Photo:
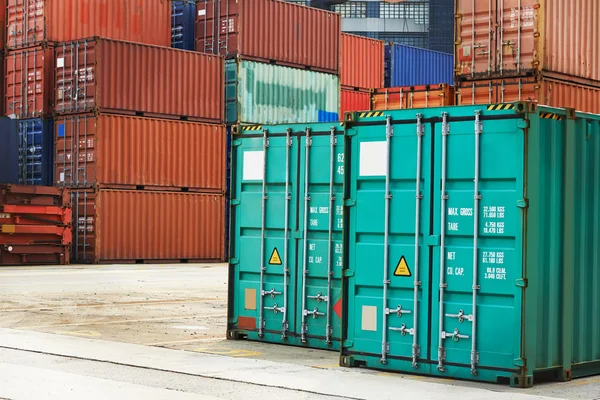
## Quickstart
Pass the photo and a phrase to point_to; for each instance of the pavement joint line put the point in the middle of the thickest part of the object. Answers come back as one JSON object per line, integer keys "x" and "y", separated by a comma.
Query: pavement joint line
{"x": 207, "y": 376}
{"x": 123, "y": 321}
{"x": 127, "y": 303}
{"x": 183, "y": 341}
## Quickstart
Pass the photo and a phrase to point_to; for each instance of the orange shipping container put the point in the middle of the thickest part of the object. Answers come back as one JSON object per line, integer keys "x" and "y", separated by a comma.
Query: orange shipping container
{"x": 353, "y": 100}
{"x": 35, "y": 22}
{"x": 108, "y": 75}
{"x": 545, "y": 91}
{"x": 2, "y": 23}
{"x": 513, "y": 37}
{"x": 128, "y": 152}
{"x": 29, "y": 82}
{"x": 145, "y": 226}
{"x": 413, "y": 97}
{"x": 362, "y": 62}
{"x": 270, "y": 31}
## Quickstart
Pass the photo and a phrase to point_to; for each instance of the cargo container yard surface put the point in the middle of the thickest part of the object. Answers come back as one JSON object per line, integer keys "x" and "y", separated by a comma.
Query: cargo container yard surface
{"x": 471, "y": 243}
{"x": 286, "y": 235}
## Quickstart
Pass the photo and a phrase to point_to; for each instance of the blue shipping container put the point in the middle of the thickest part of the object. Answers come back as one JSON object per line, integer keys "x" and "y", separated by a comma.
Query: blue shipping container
{"x": 183, "y": 16}
{"x": 27, "y": 158}
{"x": 411, "y": 66}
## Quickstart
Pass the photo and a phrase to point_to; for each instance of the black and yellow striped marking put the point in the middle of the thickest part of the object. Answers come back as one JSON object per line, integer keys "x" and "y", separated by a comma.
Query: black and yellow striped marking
{"x": 371, "y": 114}
{"x": 547, "y": 115}
{"x": 252, "y": 128}
{"x": 499, "y": 107}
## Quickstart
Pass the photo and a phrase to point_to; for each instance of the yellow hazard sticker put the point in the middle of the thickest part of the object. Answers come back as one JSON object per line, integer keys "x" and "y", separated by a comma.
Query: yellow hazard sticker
{"x": 402, "y": 268}
{"x": 275, "y": 259}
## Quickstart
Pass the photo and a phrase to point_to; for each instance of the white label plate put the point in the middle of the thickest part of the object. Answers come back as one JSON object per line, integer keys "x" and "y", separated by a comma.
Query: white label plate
{"x": 253, "y": 165}
{"x": 373, "y": 158}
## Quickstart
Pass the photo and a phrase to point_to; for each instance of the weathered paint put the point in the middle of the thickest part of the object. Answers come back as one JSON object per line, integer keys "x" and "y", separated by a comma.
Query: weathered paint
{"x": 287, "y": 233}
{"x": 523, "y": 276}
{"x": 258, "y": 93}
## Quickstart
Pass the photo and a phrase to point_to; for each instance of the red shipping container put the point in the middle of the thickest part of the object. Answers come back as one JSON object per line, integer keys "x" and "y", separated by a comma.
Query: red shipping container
{"x": 354, "y": 100}
{"x": 362, "y": 62}
{"x": 36, "y": 22}
{"x": 29, "y": 82}
{"x": 119, "y": 151}
{"x": 413, "y": 97}
{"x": 543, "y": 90}
{"x": 148, "y": 226}
{"x": 270, "y": 31}
{"x": 3, "y": 23}
{"x": 519, "y": 37}
{"x": 108, "y": 75}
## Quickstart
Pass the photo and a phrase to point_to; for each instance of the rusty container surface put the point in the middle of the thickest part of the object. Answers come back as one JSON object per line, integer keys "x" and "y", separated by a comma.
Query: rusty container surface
{"x": 413, "y": 97}
{"x": 362, "y": 62}
{"x": 270, "y": 31}
{"x": 120, "y": 151}
{"x": 354, "y": 100}
{"x": 29, "y": 82}
{"x": 544, "y": 91}
{"x": 131, "y": 78}
{"x": 497, "y": 38}
{"x": 147, "y": 226}
{"x": 35, "y": 22}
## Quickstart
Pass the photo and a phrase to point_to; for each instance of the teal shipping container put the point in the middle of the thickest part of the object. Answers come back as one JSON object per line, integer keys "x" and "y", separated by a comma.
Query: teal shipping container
{"x": 472, "y": 243}
{"x": 286, "y": 235}
{"x": 267, "y": 94}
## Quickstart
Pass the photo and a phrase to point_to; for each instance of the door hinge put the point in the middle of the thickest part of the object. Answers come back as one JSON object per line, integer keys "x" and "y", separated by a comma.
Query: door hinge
{"x": 236, "y": 142}
{"x": 298, "y": 235}
{"x": 349, "y": 203}
{"x": 348, "y": 343}
{"x": 521, "y": 282}
{"x": 523, "y": 124}
{"x": 350, "y": 132}
{"x": 432, "y": 240}
{"x": 348, "y": 273}
{"x": 235, "y": 202}
{"x": 523, "y": 203}
{"x": 520, "y": 362}
{"x": 234, "y": 261}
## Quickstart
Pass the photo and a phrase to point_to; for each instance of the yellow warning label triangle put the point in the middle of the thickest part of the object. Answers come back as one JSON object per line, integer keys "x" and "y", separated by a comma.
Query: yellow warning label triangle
{"x": 402, "y": 268}
{"x": 275, "y": 259}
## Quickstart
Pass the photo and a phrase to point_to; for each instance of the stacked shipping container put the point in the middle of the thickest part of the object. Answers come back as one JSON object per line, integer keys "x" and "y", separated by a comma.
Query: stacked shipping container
{"x": 534, "y": 50}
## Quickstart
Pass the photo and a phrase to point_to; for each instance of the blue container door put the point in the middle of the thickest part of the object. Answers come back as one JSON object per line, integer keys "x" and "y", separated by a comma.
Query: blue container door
{"x": 183, "y": 14}
{"x": 35, "y": 152}
{"x": 9, "y": 151}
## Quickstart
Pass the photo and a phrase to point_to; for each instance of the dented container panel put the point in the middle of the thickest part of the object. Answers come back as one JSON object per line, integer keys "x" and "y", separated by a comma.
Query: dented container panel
{"x": 34, "y": 22}
{"x": 100, "y": 74}
{"x": 270, "y": 31}
{"x": 486, "y": 226}
{"x": 147, "y": 226}
{"x": 130, "y": 152}
{"x": 299, "y": 229}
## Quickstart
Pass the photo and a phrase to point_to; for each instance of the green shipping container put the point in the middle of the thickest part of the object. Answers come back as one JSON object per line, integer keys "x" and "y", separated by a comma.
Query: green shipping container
{"x": 472, "y": 243}
{"x": 286, "y": 247}
{"x": 258, "y": 93}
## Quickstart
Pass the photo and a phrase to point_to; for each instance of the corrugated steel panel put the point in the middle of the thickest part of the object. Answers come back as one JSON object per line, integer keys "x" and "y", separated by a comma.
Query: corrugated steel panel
{"x": 544, "y": 91}
{"x": 136, "y": 78}
{"x": 411, "y": 66}
{"x": 353, "y": 100}
{"x": 499, "y": 39}
{"x": 501, "y": 232}
{"x": 119, "y": 151}
{"x": 260, "y": 93}
{"x": 26, "y": 154}
{"x": 29, "y": 82}
{"x": 138, "y": 226}
{"x": 413, "y": 97}
{"x": 183, "y": 20}
{"x": 270, "y": 31}
{"x": 303, "y": 312}
{"x": 362, "y": 62}
{"x": 35, "y": 22}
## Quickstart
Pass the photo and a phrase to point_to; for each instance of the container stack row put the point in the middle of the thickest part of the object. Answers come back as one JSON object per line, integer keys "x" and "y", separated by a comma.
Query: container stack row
{"x": 546, "y": 52}
{"x": 96, "y": 109}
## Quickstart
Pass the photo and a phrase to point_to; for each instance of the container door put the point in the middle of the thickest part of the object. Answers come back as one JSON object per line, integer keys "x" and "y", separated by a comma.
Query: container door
{"x": 518, "y": 22}
{"x": 318, "y": 317}
{"x": 26, "y": 23}
{"x": 263, "y": 254}
{"x": 75, "y": 76}
{"x": 477, "y": 266}
{"x": 35, "y": 152}
{"x": 389, "y": 232}
{"x": 475, "y": 37}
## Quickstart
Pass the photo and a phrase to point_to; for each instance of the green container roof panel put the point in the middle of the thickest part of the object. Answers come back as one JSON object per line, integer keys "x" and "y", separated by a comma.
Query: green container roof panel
{"x": 474, "y": 249}
{"x": 300, "y": 286}
{"x": 273, "y": 94}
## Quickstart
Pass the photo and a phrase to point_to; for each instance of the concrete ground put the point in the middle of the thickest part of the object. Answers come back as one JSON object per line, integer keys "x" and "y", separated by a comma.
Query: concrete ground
{"x": 118, "y": 331}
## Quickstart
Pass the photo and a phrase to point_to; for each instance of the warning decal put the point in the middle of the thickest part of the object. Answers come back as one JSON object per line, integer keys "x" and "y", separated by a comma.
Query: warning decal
{"x": 275, "y": 259}
{"x": 402, "y": 268}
